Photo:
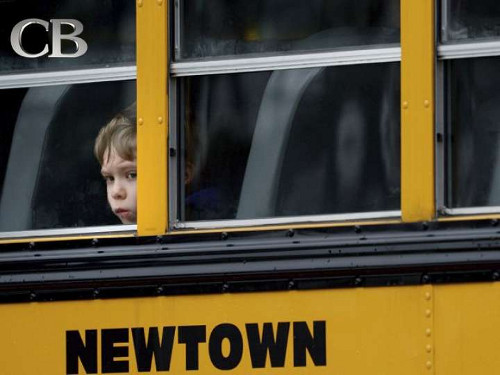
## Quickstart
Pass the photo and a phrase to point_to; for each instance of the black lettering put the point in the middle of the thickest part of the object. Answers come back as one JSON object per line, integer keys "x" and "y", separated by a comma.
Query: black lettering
{"x": 145, "y": 351}
{"x": 260, "y": 346}
{"x": 233, "y": 334}
{"x": 315, "y": 344}
{"x": 192, "y": 336}
{"x": 86, "y": 352}
{"x": 110, "y": 337}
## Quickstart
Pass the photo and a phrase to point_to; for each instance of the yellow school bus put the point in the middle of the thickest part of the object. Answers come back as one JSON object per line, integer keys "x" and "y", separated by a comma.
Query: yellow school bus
{"x": 311, "y": 187}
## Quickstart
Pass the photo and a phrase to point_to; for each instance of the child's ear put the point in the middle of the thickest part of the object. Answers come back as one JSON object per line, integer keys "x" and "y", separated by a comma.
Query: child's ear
{"x": 188, "y": 173}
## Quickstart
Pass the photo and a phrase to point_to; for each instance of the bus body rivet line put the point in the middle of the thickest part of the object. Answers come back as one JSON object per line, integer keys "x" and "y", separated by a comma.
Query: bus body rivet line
{"x": 140, "y": 121}
{"x": 428, "y": 348}
{"x": 160, "y": 2}
{"x": 160, "y": 120}
{"x": 139, "y": 3}
{"x": 427, "y": 103}
{"x": 428, "y": 332}
{"x": 405, "y": 105}
{"x": 428, "y": 365}
{"x": 428, "y": 296}
{"x": 428, "y": 313}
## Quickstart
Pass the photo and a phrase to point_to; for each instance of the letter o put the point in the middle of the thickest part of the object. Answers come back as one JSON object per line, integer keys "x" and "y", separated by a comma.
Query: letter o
{"x": 233, "y": 334}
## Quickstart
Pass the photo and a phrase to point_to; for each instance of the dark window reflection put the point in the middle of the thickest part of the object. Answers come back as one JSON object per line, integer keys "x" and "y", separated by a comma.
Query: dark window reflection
{"x": 49, "y": 177}
{"x": 109, "y": 30}
{"x": 469, "y": 19}
{"x": 474, "y": 118}
{"x": 287, "y": 143}
{"x": 232, "y": 27}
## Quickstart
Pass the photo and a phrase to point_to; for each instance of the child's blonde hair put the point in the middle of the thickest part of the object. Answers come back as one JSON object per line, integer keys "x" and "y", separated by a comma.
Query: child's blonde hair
{"x": 119, "y": 134}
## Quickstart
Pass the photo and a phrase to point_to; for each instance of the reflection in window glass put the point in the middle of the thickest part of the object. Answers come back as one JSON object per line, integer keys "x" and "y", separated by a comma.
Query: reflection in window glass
{"x": 232, "y": 27}
{"x": 49, "y": 177}
{"x": 474, "y": 118}
{"x": 469, "y": 19}
{"x": 294, "y": 142}
{"x": 109, "y": 31}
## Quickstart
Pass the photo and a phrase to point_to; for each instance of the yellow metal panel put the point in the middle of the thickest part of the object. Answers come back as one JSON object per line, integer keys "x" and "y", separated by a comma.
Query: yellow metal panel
{"x": 152, "y": 117}
{"x": 417, "y": 118}
{"x": 368, "y": 331}
{"x": 467, "y": 318}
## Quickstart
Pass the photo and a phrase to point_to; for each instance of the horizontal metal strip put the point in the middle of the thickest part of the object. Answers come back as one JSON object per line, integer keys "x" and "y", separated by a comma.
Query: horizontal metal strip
{"x": 85, "y": 231}
{"x": 14, "y": 80}
{"x": 286, "y": 220}
{"x": 308, "y": 60}
{"x": 470, "y": 210}
{"x": 387, "y": 252}
{"x": 468, "y": 50}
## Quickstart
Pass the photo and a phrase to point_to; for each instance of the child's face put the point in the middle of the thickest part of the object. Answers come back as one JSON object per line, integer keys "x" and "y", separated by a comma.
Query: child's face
{"x": 120, "y": 176}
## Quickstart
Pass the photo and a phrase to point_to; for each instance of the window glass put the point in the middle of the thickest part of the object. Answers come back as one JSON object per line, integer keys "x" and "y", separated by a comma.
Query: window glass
{"x": 108, "y": 31}
{"x": 470, "y": 19}
{"x": 474, "y": 122}
{"x": 234, "y": 27}
{"x": 49, "y": 177}
{"x": 292, "y": 142}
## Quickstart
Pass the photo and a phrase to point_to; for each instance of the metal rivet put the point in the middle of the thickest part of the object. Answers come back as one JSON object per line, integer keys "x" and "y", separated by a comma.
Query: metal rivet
{"x": 428, "y": 313}
{"x": 139, "y": 3}
{"x": 427, "y": 296}
{"x": 428, "y": 348}
{"x": 426, "y": 103}
{"x": 428, "y": 364}
{"x": 428, "y": 332}
{"x": 405, "y": 105}
{"x": 159, "y": 2}
{"x": 140, "y": 121}
{"x": 160, "y": 120}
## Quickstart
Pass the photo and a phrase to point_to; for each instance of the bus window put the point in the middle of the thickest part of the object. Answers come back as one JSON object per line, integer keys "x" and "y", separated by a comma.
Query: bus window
{"x": 470, "y": 19}
{"x": 50, "y": 177}
{"x": 108, "y": 31}
{"x": 289, "y": 143}
{"x": 470, "y": 80}
{"x": 238, "y": 27}
{"x": 475, "y": 132}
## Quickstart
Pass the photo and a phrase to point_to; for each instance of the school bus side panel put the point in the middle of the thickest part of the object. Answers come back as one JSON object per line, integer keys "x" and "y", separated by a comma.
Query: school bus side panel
{"x": 367, "y": 330}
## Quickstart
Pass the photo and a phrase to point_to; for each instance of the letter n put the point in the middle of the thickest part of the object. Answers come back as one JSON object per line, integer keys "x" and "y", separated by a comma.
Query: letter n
{"x": 77, "y": 349}
{"x": 315, "y": 344}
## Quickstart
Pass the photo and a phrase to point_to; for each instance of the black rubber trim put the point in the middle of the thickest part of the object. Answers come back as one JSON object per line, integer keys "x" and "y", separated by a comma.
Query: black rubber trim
{"x": 248, "y": 262}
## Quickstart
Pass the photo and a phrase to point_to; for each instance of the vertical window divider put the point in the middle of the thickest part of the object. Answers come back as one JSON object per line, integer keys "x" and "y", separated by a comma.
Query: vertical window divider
{"x": 152, "y": 117}
{"x": 418, "y": 107}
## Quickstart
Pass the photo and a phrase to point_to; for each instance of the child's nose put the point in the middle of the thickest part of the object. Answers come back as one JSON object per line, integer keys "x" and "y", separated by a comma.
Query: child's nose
{"x": 118, "y": 191}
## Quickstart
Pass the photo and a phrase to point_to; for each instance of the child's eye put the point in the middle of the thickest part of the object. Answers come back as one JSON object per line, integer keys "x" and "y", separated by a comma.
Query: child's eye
{"x": 108, "y": 179}
{"x": 132, "y": 175}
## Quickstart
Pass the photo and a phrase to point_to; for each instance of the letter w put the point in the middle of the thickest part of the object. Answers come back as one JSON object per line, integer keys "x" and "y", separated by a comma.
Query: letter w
{"x": 260, "y": 345}
{"x": 144, "y": 351}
